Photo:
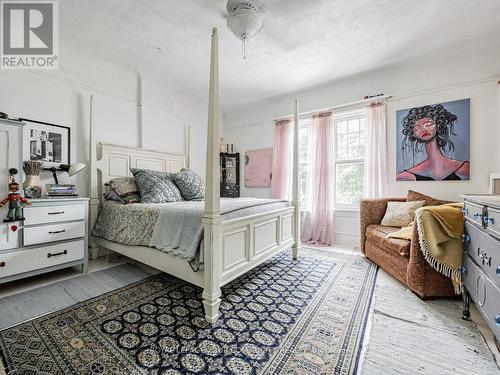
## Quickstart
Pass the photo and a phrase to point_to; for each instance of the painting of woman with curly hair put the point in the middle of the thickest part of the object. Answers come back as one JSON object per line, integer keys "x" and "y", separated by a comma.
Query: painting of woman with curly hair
{"x": 434, "y": 142}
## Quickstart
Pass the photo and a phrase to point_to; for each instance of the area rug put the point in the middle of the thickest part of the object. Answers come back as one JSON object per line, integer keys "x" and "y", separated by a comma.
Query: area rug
{"x": 285, "y": 316}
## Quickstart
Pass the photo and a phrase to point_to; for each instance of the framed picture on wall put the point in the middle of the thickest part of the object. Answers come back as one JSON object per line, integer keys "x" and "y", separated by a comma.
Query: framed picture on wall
{"x": 433, "y": 142}
{"x": 258, "y": 166}
{"x": 45, "y": 142}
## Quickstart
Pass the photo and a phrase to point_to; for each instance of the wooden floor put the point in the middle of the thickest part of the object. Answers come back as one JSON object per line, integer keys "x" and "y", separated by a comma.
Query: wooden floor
{"x": 61, "y": 289}
{"x": 27, "y": 299}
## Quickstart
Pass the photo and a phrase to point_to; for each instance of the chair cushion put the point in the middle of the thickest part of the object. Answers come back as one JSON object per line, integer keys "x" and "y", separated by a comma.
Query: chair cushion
{"x": 378, "y": 235}
{"x": 412, "y": 196}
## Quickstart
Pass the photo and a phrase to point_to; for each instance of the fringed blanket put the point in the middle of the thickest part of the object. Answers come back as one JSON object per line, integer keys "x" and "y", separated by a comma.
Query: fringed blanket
{"x": 440, "y": 230}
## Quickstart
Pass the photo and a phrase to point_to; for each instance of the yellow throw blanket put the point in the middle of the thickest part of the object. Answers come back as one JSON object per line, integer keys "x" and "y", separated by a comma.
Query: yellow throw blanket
{"x": 440, "y": 230}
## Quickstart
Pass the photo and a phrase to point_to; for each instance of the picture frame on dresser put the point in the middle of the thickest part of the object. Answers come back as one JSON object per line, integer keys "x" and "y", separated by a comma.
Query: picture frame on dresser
{"x": 46, "y": 142}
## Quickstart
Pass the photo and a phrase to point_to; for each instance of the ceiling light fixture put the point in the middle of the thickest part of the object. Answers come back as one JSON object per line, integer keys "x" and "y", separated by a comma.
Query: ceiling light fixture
{"x": 245, "y": 18}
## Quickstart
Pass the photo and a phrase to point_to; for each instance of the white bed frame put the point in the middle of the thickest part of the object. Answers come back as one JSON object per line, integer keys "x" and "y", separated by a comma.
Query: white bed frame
{"x": 232, "y": 247}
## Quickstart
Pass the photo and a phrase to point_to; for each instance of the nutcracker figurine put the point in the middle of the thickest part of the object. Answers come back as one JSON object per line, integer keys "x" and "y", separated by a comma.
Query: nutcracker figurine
{"x": 14, "y": 199}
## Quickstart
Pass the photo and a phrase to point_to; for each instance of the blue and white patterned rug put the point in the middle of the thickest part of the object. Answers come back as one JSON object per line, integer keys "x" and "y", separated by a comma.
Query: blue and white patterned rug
{"x": 285, "y": 316}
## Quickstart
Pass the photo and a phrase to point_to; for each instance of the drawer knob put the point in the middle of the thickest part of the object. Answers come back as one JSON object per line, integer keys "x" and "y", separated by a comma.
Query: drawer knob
{"x": 497, "y": 320}
{"x": 498, "y": 271}
{"x": 489, "y": 220}
{"x": 2, "y": 264}
{"x": 465, "y": 238}
{"x": 50, "y": 255}
{"x": 465, "y": 211}
{"x": 462, "y": 269}
{"x": 478, "y": 216}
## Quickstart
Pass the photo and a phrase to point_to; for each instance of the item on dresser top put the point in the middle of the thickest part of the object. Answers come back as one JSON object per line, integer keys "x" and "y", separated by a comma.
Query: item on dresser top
{"x": 70, "y": 169}
{"x": 14, "y": 199}
{"x": 4, "y": 115}
{"x": 400, "y": 214}
{"x": 481, "y": 258}
{"x": 440, "y": 230}
{"x": 156, "y": 186}
{"x": 32, "y": 186}
{"x": 190, "y": 184}
{"x": 57, "y": 190}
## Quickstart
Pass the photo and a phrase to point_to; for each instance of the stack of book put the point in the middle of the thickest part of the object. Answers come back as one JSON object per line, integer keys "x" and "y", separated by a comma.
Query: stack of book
{"x": 61, "y": 191}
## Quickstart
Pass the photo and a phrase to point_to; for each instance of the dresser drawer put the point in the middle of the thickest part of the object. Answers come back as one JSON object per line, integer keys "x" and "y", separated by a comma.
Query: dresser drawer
{"x": 473, "y": 212}
{"x": 484, "y": 293}
{"x": 53, "y": 232}
{"x": 485, "y": 251}
{"x": 16, "y": 262}
{"x": 493, "y": 222}
{"x": 53, "y": 214}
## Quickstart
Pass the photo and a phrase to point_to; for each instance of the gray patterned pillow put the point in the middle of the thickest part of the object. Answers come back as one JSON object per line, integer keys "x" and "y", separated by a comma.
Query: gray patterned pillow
{"x": 155, "y": 186}
{"x": 126, "y": 189}
{"x": 190, "y": 184}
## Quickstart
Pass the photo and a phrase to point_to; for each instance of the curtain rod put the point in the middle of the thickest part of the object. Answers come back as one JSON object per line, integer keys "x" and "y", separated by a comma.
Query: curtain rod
{"x": 358, "y": 102}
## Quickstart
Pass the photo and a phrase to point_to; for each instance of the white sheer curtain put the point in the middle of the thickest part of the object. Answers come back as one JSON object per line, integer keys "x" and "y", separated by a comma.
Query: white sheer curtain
{"x": 375, "y": 170}
{"x": 317, "y": 225}
{"x": 281, "y": 182}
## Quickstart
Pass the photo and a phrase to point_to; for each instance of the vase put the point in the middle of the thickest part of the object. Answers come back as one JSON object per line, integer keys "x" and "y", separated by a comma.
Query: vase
{"x": 32, "y": 187}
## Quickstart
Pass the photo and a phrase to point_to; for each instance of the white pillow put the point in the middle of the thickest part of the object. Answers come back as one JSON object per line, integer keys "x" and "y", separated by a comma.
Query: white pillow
{"x": 400, "y": 214}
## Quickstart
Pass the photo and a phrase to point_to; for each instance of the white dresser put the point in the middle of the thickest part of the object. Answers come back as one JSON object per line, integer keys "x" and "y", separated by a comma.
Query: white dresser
{"x": 53, "y": 236}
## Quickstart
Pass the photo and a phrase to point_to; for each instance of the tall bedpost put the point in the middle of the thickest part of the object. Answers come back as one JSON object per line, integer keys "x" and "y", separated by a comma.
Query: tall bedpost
{"x": 211, "y": 216}
{"x": 93, "y": 185}
{"x": 295, "y": 181}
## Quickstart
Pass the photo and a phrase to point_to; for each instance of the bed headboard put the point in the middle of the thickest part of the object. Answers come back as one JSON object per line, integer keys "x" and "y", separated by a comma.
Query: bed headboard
{"x": 116, "y": 161}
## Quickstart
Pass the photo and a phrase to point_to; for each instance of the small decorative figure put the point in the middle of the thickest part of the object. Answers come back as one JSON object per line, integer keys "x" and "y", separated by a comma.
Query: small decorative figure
{"x": 15, "y": 199}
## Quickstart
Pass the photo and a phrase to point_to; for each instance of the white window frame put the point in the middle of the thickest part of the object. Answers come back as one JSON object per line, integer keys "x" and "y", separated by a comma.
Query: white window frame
{"x": 338, "y": 117}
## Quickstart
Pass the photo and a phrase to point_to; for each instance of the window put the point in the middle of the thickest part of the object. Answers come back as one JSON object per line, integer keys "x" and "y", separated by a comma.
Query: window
{"x": 350, "y": 140}
{"x": 349, "y": 132}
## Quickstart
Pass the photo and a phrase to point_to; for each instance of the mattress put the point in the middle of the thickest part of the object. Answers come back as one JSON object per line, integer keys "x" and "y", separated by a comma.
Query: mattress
{"x": 163, "y": 226}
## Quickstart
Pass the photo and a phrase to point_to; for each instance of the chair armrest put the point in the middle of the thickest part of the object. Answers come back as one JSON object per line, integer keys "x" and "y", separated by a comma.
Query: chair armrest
{"x": 372, "y": 211}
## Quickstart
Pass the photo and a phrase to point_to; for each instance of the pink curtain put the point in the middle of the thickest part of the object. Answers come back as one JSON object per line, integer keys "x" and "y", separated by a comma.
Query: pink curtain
{"x": 317, "y": 226}
{"x": 375, "y": 169}
{"x": 281, "y": 183}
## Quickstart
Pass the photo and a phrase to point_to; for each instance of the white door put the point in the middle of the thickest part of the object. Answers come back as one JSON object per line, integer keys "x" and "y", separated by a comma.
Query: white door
{"x": 10, "y": 157}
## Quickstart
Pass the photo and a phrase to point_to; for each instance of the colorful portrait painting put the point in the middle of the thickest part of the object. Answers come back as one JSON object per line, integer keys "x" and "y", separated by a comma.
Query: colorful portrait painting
{"x": 433, "y": 142}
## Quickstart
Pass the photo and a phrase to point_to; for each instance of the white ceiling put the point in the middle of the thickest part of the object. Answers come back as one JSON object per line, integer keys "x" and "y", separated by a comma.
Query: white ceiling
{"x": 304, "y": 43}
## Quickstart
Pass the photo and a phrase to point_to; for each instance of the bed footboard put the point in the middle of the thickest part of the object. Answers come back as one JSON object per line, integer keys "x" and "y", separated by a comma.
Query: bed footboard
{"x": 247, "y": 242}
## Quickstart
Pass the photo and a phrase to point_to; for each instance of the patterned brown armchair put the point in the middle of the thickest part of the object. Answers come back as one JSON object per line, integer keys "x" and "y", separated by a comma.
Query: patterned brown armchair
{"x": 400, "y": 258}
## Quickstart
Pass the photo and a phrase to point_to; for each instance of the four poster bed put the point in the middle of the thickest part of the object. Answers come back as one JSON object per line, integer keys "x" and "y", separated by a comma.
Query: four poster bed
{"x": 232, "y": 246}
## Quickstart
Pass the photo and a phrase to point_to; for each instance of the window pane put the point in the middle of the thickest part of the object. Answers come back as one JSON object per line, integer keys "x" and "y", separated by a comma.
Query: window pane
{"x": 342, "y": 147}
{"x": 353, "y": 126}
{"x": 302, "y": 182}
{"x": 353, "y": 146}
{"x": 342, "y": 127}
{"x": 349, "y": 183}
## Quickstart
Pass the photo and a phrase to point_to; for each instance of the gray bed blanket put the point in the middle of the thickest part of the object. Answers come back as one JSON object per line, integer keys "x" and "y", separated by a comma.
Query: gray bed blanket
{"x": 179, "y": 229}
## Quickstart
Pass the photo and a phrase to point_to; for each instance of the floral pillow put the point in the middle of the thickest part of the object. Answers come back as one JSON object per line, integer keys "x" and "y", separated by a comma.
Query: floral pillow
{"x": 400, "y": 214}
{"x": 156, "y": 186}
{"x": 190, "y": 184}
{"x": 126, "y": 189}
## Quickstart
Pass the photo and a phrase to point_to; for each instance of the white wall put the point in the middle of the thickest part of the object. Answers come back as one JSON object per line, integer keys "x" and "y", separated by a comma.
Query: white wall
{"x": 63, "y": 97}
{"x": 423, "y": 82}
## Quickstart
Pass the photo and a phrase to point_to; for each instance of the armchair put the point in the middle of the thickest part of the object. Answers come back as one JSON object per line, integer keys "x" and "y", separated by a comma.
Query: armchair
{"x": 402, "y": 259}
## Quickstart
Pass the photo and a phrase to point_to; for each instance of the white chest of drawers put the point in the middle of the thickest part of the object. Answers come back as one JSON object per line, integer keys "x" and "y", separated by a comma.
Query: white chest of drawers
{"x": 53, "y": 236}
